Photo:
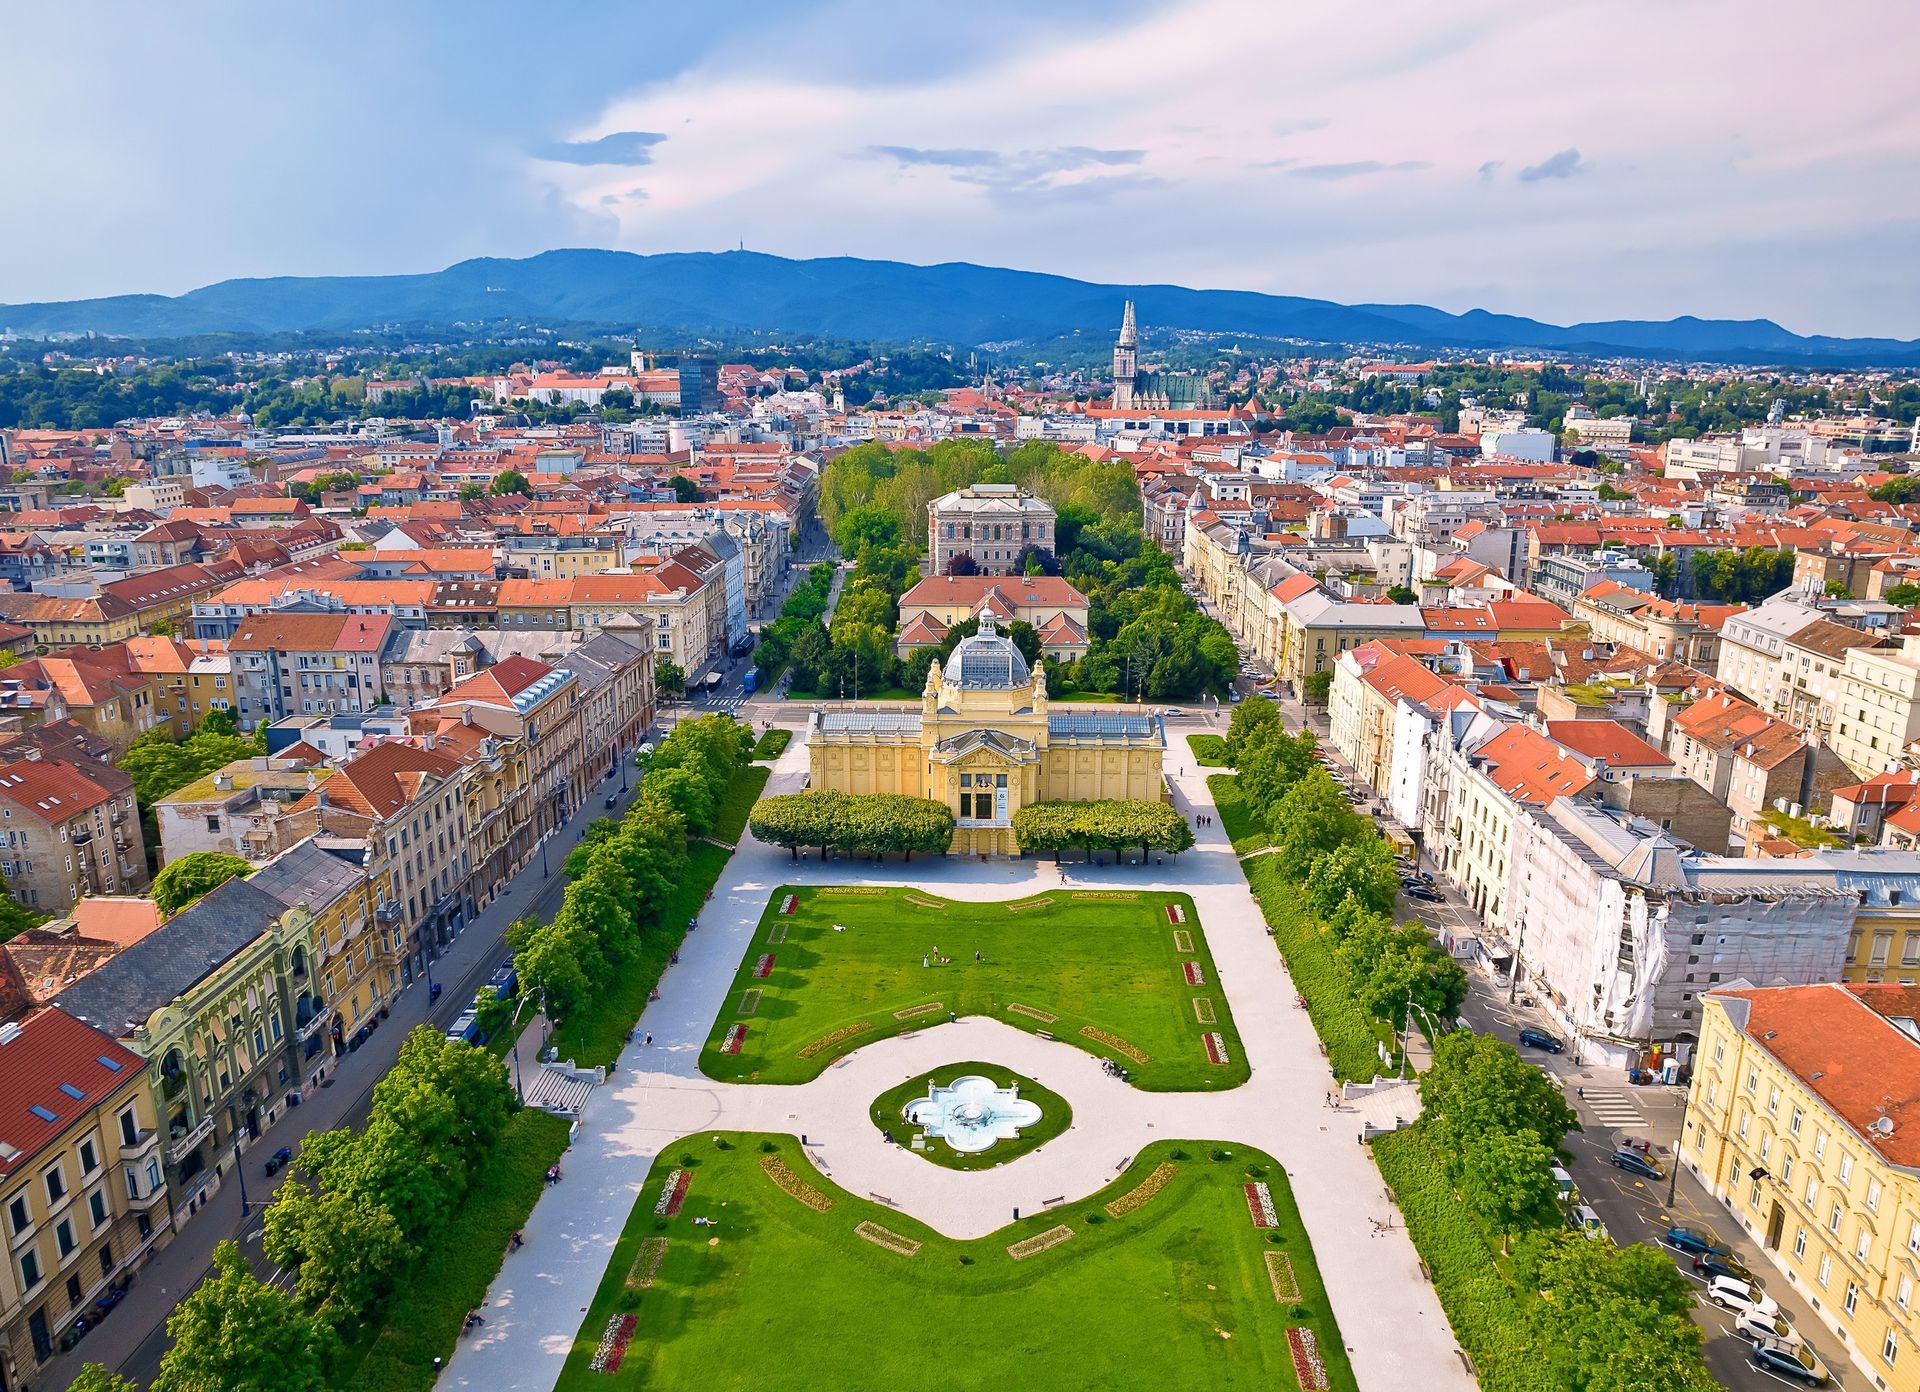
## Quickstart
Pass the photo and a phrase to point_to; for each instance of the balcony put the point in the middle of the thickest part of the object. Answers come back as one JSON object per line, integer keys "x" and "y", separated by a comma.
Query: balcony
{"x": 146, "y": 1141}
{"x": 388, "y": 912}
{"x": 141, "y": 1196}
{"x": 315, "y": 1025}
{"x": 183, "y": 1145}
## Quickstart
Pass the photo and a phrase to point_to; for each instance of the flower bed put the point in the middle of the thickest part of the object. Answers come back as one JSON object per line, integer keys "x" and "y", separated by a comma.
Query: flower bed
{"x": 613, "y": 1344}
{"x": 1286, "y": 1286}
{"x": 923, "y": 901}
{"x": 646, "y": 1263}
{"x": 858, "y": 891}
{"x": 1196, "y": 974}
{"x": 1137, "y": 1196}
{"x": 930, "y": 1008}
{"x": 672, "y": 1195}
{"x": 1176, "y": 914}
{"x": 763, "y": 968}
{"x": 1260, "y": 1205}
{"x": 788, "y": 904}
{"x": 837, "y": 1038}
{"x": 1216, "y": 1048}
{"x": 882, "y": 1237}
{"x": 793, "y": 1186}
{"x": 1052, "y": 1237}
{"x": 1203, "y": 1010}
{"x": 1182, "y": 940}
{"x": 1115, "y": 1042}
{"x": 1032, "y": 1014}
{"x": 749, "y": 1002}
{"x": 736, "y": 1036}
{"x": 1104, "y": 894}
{"x": 1307, "y": 1365}
{"x": 1023, "y": 905}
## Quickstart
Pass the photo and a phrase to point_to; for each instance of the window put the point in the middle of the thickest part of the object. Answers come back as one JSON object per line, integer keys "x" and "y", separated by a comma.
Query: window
{"x": 1826, "y": 1267}
{"x": 1800, "y": 1242}
{"x": 30, "y": 1272}
{"x": 1813, "y": 1190}
{"x": 1851, "y": 1299}
{"x": 20, "y": 1217}
{"x": 1890, "y": 1346}
{"x": 129, "y": 1128}
{"x": 1793, "y": 1124}
{"x": 97, "y": 1208}
{"x": 1753, "y": 1079}
{"x": 1903, "y": 1293}
{"x": 1873, "y": 1196}
{"x": 63, "y": 1237}
{"x": 1786, "y": 1171}
{"x": 89, "y": 1156}
{"x": 1819, "y": 1145}
{"x": 1773, "y": 1094}
{"x": 56, "y": 1185}
{"x": 1846, "y": 1168}
{"x": 1833, "y": 1220}
{"x": 1864, "y": 1243}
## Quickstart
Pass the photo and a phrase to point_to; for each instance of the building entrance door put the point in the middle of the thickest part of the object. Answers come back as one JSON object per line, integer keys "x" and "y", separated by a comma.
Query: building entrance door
{"x": 1776, "y": 1220}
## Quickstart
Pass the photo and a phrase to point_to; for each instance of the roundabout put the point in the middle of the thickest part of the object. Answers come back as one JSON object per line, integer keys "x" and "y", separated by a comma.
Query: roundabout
{"x": 967, "y": 1116}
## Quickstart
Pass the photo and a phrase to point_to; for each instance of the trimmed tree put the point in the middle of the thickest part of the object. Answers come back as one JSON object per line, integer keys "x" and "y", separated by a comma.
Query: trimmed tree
{"x": 192, "y": 877}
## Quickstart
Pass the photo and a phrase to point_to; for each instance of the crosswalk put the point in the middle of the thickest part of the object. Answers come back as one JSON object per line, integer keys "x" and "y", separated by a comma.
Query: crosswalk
{"x": 1612, "y": 1108}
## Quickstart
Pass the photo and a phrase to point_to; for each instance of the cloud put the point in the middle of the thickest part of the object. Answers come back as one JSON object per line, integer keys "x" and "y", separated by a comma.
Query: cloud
{"x": 1024, "y": 171}
{"x": 621, "y": 147}
{"x": 1490, "y": 168}
{"x": 1353, "y": 169}
{"x": 944, "y": 159}
{"x": 1563, "y": 165}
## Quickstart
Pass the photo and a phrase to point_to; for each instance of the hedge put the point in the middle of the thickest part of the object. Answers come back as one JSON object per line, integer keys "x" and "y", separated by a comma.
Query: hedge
{"x": 1209, "y": 751}
{"x": 1244, "y": 826}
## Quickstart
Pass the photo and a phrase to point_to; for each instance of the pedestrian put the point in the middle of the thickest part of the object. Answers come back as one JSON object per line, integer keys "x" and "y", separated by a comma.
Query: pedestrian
{"x": 976, "y": 954}
{"x": 1580, "y": 1093}
{"x": 923, "y": 960}
{"x": 649, "y": 1038}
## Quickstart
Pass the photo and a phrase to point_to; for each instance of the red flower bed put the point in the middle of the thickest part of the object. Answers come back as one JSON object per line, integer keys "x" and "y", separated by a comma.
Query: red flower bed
{"x": 1307, "y": 1364}
{"x": 736, "y": 1036}
{"x": 613, "y": 1344}
{"x": 1216, "y": 1049}
{"x": 1260, "y": 1205}
{"x": 675, "y": 1195}
{"x": 1175, "y": 914}
{"x": 764, "y": 967}
{"x": 786, "y": 904}
{"x": 1195, "y": 976}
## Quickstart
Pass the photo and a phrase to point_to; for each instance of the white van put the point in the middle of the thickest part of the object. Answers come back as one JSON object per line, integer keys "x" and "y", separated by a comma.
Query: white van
{"x": 1582, "y": 1219}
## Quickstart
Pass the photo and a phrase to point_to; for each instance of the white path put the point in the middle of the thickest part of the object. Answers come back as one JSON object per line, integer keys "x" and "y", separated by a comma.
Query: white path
{"x": 1396, "y": 1333}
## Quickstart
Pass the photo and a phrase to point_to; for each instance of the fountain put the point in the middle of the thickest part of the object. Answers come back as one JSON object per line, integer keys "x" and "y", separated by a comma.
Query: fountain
{"x": 971, "y": 1113}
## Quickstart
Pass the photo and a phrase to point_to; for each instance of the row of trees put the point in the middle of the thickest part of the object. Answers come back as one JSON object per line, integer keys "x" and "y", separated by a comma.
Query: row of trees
{"x": 350, "y": 1223}
{"x": 1741, "y": 577}
{"x": 1111, "y": 825}
{"x": 798, "y": 615}
{"x": 625, "y": 873}
{"x": 853, "y": 824}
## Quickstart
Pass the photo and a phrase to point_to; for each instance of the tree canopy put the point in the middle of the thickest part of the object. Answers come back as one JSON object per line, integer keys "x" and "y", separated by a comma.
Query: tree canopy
{"x": 861, "y": 824}
{"x": 192, "y": 877}
{"x": 1114, "y": 825}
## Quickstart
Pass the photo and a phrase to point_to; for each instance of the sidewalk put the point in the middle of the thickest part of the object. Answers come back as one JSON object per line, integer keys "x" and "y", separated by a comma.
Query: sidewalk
{"x": 133, "y": 1337}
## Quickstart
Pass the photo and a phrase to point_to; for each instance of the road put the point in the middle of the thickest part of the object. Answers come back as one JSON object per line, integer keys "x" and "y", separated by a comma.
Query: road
{"x": 1610, "y": 1110}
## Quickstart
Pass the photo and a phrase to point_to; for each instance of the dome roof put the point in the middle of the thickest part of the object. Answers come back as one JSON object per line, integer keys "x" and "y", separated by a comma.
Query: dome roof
{"x": 987, "y": 661}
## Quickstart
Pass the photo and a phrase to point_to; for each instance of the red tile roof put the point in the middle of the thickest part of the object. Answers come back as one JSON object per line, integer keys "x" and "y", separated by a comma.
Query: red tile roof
{"x": 1529, "y": 767}
{"x": 1608, "y": 741}
{"x": 52, "y": 1049}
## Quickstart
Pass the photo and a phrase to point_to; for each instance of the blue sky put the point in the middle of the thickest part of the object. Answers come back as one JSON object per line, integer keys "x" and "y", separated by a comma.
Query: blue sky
{"x": 1589, "y": 159}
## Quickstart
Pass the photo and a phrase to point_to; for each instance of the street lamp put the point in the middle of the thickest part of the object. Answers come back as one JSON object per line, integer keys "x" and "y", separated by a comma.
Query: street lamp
{"x": 513, "y": 1032}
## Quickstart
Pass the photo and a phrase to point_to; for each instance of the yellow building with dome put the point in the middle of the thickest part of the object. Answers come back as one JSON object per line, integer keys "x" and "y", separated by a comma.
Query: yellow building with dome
{"x": 986, "y": 741}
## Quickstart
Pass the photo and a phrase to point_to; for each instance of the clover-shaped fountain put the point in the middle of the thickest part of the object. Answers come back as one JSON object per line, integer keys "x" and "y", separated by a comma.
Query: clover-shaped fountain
{"x": 971, "y": 1113}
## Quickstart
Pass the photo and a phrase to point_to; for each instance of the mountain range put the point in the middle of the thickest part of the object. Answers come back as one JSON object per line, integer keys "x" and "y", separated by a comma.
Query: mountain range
{"x": 885, "y": 301}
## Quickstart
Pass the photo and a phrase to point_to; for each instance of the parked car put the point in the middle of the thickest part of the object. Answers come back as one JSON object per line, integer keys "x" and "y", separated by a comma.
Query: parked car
{"x": 1694, "y": 1242}
{"x": 1711, "y": 1264}
{"x": 1755, "y": 1325}
{"x": 1583, "y": 1220}
{"x": 1786, "y": 1360}
{"x": 1740, "y": 1296}
{"x": 1540, "y": 1039}
{"x": 1423, "y": 894}
{"x": 1633, "y": 1162}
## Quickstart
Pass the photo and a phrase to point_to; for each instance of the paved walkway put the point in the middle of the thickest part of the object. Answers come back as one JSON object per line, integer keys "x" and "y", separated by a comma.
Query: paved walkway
{"x": 1396, "y": 1334}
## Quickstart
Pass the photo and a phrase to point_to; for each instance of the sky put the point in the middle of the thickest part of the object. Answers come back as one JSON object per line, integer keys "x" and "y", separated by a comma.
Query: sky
{"x": 1564, "y": 159}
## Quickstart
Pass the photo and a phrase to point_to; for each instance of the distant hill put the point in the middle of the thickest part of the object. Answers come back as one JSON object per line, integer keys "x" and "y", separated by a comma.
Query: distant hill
{"x": 886, "y": 301}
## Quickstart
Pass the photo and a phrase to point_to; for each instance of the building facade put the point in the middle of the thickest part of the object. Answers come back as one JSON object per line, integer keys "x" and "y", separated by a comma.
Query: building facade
{"x": 992, "y": 524}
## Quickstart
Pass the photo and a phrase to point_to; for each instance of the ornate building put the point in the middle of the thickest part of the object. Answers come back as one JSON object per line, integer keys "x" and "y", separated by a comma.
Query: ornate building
{"x": 1134, "y": 390}
{"x": 986, "y": 742}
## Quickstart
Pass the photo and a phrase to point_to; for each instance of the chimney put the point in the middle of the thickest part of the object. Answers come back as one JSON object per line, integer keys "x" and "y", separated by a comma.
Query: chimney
{"x": 320, "y": 798}
{"x": 466, "y": 715}
{"x": 31, "y": 753}
{"x": 223, "y": 782}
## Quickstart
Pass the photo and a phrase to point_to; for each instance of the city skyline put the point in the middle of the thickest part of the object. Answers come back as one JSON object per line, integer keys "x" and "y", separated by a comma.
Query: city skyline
{"x": 1438, "y": 158}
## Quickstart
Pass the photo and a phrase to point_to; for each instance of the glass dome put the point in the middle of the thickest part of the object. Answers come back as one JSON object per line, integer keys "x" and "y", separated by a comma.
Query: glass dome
{"x": 987, "y": 661}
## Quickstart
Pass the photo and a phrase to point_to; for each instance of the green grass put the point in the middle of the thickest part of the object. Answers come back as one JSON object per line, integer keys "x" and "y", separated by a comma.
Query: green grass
{"x": 772, "y": 742}
{"x": 1244, "y": 829}
{"x": 1055, "y": 1117}
{"x": 885, "y": 693}
{"x": 1209, "y": 751}
{"x": 730, "y": 818}
{"x": 1091, "y": 960}
{"x": 1174, "y": 1294}
{"x": 1087, "y": 697}
{"x": 426, "y": 1313}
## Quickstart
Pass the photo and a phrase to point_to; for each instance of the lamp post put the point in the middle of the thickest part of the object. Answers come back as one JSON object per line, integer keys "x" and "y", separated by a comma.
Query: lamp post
{"x": 1513, "y": 974}
{"x": 513, "y": 1029}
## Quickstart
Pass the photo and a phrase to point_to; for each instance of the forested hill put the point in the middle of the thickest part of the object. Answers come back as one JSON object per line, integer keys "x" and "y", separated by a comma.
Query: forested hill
{"x": 882, "y": 301}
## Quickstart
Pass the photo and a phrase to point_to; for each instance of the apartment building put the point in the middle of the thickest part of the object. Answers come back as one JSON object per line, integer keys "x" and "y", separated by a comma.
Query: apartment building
{"x": 1759, "y": 766}
{"x": 615, "y": 671}
{"x": 237, "y": 810}
{"x": 991, "y": 524}
{"x": 67, "y": 829}
{"x": 82, "y": 1198}
{"x": 544, "y": 706}
{"x": 1753, "y": 646}
{"x": 1056, "y": 611}
{"x": 1664, "y": 628}
{"x": 419, "y": 665}
{"x": 1877, "y": 708}
{"x": 1803, "y": 1118}
{"x": 356, "y": 959}
{"x": 304, "y": 664}
{"x": 1813, "y": 663}
{"x": 220, "y": 1000}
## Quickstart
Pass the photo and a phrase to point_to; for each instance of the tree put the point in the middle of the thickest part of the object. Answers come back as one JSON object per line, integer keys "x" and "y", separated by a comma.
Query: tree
{"x": 962, "y": 563}
{"x": 161, "y": 628}
{"x": 233, "y": 1334}
{"x": 1310, "y": 819}
{"x": 1400, "y": 594}
{"x": 222, "y": 723}
{"x": 1666, "y": 573}
{"x": 872, "y": 525}
{"x": 469, "y": 492}
{"x": 192, "y": 877}
{"x": 668, "y": 679}
{"x": 345, "y": 1253}
{"x": 1361, "y": 870}
{"x": 95, "y": 1378}
{"x": 1478, "y": 1083}
{"x": 1249, "y": 717}
{"x": 684, "y": 489}
{"x": 1611, "y": 1319}
{"x": 687, "y": 793}
{"x": 1270, "y": 760}
{"x": 1507, "y": 1180}
{"x": 1906, "y": 594}
{"x": 1316, "y": 686}
{"x": 511, "y": 481}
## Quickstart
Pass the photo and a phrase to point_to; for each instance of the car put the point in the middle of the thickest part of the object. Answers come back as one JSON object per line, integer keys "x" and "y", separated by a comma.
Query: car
{"x": 1540, "y": 1039}
{"x": 1425, "y": 896}
{"x": 1787, "y": 1360}
{"x": 1711, "y": 1264}
{"x": 1582, "y": 1219}
{"x": 1694, "y": 1242}
{"x": 1755, "y": 1325}
{"x": 1740, "y": 1297}
{"x": 1633, "y": 1162}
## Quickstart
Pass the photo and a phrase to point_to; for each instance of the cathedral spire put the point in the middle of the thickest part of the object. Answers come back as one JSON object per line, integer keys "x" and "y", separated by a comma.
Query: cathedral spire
{"x": 1129, "y": 335}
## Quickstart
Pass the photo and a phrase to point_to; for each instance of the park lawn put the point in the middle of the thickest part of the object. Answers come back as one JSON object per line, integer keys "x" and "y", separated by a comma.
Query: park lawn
{"x": 426, "y": 1312}
{"x": 771, "y": 742}
{"x": 730, "y": 818}
{"x": 1175, "y": 1293}
{"x": 1086, "y": 960}
{"x": 1209, "y": 751}
{"x": 1055, "y": 1117}
{"x": 1243, "y": 826}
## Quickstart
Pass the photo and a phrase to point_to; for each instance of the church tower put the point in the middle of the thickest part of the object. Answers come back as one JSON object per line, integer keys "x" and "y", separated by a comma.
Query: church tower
{"x": 1126, "y": 353}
